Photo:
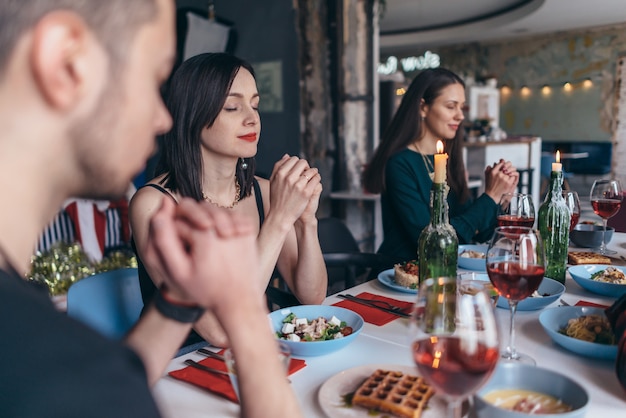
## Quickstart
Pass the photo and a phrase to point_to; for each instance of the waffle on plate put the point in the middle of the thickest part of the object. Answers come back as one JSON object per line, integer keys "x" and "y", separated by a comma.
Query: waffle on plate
{"x": 397, "y": 393}
{"x": 587, "y": 257}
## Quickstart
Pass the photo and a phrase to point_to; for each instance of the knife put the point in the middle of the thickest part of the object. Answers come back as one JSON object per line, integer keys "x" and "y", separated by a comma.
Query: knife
{"x": 204, "y": 368}
{"x": 210, "y": 353}
{"x": 373, "y": 305}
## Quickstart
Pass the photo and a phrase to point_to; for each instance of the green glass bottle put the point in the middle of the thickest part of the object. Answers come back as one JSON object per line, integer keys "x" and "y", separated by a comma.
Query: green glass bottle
{"x": 554, "y": 221}
{"x": 438, "y": 245}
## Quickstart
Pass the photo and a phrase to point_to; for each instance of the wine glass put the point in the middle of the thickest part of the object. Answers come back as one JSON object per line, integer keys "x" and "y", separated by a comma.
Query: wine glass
{"x": 606, "y": 199}
{"x": 573, "y": 204}
{"x": 516, "y": 209}
{"x": 515, "y": 265}
{"x": 454, "y": 339}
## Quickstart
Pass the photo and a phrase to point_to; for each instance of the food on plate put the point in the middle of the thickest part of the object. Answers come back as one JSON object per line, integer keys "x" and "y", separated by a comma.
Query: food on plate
{"x": 527, "y": 401}
{"x": 320, "y": 329}
{"x": 587, "y": 257}
{"x": 536, "y": 294}
{"x": 609, "y": 275}
{"x": 592, "y": 328}
{"x": 397, "y": 393}
{"x": 472, "y": 254}
{"x": 407, "y": 274}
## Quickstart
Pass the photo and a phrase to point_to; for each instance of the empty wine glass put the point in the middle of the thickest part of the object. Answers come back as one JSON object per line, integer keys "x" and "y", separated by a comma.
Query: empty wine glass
{"x": 454, "y": 339}
{"x": 573, "y": 203}
{"x": 516, "y": 209}
{"x": 606, "y": 199}
{"x": 515, "y": 265}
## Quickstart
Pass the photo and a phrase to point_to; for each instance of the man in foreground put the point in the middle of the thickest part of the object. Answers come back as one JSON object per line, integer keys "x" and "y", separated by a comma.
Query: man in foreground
{"x": 80, "y": 107}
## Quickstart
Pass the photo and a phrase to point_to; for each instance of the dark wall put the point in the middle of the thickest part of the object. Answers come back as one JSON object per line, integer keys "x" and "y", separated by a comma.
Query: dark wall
{"x": 266, "y": 32}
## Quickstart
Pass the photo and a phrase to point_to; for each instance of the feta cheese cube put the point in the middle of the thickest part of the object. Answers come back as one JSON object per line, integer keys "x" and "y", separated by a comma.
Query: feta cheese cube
{"x": 288, "y": 328}
{"x": 293, "y": 337}
{"x": 338, "y": 335}
{"x": 334, "y": 321}
{"x": 301, "y": 321}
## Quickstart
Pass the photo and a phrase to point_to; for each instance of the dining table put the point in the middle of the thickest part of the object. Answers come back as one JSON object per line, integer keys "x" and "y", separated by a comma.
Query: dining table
{"x": 389, "y": 345}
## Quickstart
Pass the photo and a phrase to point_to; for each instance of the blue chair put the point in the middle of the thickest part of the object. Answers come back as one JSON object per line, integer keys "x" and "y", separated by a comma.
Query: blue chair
{"x": 108, "y": 302}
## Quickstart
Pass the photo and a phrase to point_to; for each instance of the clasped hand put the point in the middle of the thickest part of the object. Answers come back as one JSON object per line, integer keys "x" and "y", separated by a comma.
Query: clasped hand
{"x": 295, "y": 189}
{"x": 500, "y": 178}
{"x": 200, "y": 249}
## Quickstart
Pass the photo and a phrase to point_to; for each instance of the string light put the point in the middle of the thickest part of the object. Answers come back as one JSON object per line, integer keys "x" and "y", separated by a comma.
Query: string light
{"x": 549, "y": 88}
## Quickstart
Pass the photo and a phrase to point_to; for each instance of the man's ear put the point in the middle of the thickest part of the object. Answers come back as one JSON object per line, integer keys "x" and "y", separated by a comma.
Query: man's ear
{"x": 59, "y": 57}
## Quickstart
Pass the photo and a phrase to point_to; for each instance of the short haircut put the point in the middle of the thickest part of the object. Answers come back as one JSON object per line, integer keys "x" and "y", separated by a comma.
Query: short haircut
{"x": 114, "y": 22}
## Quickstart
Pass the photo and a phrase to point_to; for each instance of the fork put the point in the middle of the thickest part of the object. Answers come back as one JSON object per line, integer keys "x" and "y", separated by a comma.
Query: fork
{"x": 395, "y": 310}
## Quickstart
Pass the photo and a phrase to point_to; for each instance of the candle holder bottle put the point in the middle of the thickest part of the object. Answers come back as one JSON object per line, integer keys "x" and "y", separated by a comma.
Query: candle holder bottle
{"x": 438, "y": 245}
{"x": 554, "y": 221}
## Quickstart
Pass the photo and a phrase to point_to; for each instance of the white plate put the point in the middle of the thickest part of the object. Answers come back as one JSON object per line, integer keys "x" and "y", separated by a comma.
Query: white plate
{"x": 332, "y": 392}
{"x": 387, "y": 278}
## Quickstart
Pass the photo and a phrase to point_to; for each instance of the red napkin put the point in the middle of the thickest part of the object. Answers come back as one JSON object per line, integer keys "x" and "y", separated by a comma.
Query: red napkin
{"x": 593, "y": 305}
{"x": 218, "y": 383}
{"x": 373, "y": 315}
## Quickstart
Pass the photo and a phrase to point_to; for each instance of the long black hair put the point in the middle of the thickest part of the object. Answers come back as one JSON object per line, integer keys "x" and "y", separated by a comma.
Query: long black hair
{"x": 196, "y": 95}
{"x": 406, "y": 126}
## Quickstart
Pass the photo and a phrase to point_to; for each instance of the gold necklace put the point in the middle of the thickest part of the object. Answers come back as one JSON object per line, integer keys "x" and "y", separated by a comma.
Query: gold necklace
{"x": 235, "y": 200}
{"x": 427, "y": 163}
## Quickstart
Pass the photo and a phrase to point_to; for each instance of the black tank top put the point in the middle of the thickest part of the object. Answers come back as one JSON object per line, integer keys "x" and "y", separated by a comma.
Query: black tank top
{"x": 148, "y": 289}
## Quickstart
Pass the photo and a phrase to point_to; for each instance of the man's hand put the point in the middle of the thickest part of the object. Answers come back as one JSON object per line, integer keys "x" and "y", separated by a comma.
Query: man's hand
{"x": 206, "y": 253}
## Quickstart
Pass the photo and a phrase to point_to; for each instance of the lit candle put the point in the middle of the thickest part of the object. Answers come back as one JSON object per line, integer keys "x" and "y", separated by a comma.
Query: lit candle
{"x": 440, "y": 164}
{"x": 557, "y": 166}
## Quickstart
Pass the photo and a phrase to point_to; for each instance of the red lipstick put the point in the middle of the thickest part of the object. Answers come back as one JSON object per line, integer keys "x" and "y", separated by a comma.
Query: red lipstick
{"x": 248, "y": 137}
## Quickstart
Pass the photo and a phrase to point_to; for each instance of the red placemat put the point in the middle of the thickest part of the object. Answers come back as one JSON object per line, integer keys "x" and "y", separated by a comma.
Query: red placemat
{"x": 217, "y": 383}
{"x": 591, "y": 304}
{"x": 373, "y": 315}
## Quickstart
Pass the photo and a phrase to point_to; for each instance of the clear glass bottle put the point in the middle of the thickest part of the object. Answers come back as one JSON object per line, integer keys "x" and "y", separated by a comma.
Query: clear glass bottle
{"x": 554, "y": 221}
{"x": 438, "y": 245}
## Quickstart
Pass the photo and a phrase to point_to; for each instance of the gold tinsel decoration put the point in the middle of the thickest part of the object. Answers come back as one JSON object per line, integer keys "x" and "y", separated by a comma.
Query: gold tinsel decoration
{"x": 64, "y": 264}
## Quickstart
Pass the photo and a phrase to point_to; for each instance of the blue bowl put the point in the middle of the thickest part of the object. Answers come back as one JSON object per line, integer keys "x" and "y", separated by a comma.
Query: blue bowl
{"x": 311, "y": 312}
{"x": 475, "y": 264}
{"x": 553, "y": 288}
{"x": 582, "y": 275}
{"x": 510, "y": 375}
{"x": 554, "y": 319}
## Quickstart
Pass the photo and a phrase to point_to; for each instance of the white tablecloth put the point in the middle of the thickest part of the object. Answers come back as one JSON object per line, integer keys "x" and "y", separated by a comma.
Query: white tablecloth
{"x": 389, "y": 344}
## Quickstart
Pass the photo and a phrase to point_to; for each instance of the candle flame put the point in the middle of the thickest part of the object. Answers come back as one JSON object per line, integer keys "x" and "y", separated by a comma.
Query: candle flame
{"x": 439, "y": 147}
{"x": 558, "y": 156}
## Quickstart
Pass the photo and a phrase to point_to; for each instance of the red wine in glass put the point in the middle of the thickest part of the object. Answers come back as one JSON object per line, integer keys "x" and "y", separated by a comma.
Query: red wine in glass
{"x": 515, "y": 266}
{"x": 450, "y": 369}
{"x": 513, "y": 220}
{"x": 606, "y": 208}
{"x": 574, "y": 220}
{"x": 606, "y": 199}
{"x": 573, "y": 204}
{"x": 516, "y": 209}
{"x": 513, "y": 281}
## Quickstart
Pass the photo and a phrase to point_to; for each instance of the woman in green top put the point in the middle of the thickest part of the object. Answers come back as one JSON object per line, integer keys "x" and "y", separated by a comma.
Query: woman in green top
{"x": 401, "y": 169}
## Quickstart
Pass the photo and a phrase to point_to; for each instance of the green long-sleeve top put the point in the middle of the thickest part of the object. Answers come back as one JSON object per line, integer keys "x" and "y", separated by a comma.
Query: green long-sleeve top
{"x": 405, "y": 205}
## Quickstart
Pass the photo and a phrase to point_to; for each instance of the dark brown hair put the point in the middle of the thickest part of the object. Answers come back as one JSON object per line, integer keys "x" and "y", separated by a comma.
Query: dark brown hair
{"x": 196, "y": 95}
{"x": 406, "y": 127}
{"x": 114, "y": 22}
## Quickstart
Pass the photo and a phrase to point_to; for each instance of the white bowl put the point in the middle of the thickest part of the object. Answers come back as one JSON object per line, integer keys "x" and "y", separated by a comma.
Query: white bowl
{"x": 311, "y": 312}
